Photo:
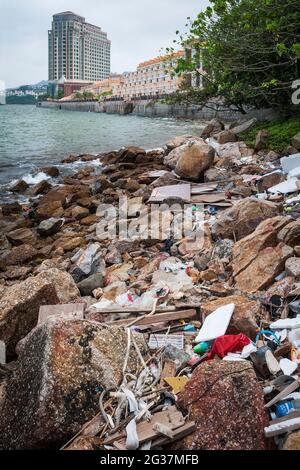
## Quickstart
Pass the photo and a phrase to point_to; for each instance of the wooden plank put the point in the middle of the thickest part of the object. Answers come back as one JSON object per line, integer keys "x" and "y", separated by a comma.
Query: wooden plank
{"x": 119, "y": 446}
{"x": 179, "y": 433}
{"x": 289, "y": 389}
{"x": 283, "y": 350}
{"x": 169, "y": 370}
{"x": 67, "y": 311}
{"x": 171, "y": 418}
{"x": 159, "y": 318}
{"x": 109, "y": 310}
{"x": 203, "y": 188}
{"x": 292, "y": 415}
{"x": 210, "y": 198}
{"x": 282, "y": 428}
{"x": 178, "y": 191}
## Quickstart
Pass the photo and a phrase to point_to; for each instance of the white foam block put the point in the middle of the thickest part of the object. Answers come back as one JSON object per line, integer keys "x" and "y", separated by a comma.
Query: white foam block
{"x": 288, "y": 367}
{"x": 291, "y": 162}
{"x": 216, "y": 323}
{"x": 286, "y": 323}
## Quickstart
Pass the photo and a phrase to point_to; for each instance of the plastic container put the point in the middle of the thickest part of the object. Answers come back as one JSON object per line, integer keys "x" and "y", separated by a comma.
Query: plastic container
{"x": 201, "y": 348}
{"x": 287, "y": 407}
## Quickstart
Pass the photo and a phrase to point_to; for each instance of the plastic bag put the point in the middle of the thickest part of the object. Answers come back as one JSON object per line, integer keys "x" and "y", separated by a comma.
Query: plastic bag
{"x": 228, "y": 343}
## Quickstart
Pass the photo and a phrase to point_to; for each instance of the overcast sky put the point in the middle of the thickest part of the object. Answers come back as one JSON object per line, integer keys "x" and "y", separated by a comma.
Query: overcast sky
{"x": 138, "y": 30}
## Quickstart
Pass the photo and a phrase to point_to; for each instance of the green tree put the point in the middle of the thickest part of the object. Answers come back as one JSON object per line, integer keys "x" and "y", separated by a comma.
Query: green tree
{"x": 78, "y": 96}
{"x": 60, "y": 94}
{"x": 88, "y": 95}
{"x": 250, "y": 51}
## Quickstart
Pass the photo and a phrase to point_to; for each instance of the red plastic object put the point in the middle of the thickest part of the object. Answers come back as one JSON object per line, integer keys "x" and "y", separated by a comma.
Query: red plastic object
{"x": 228, "y": 343}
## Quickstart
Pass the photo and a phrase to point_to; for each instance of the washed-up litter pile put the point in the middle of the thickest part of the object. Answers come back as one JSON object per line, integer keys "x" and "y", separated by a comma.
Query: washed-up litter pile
{"x": 151, "y": 342}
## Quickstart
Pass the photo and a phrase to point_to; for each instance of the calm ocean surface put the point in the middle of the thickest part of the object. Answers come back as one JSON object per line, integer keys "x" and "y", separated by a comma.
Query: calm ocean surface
{"x": 31, "y": 137}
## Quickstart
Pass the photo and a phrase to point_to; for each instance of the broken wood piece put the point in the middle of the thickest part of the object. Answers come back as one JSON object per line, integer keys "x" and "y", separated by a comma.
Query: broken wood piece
{"x": 170, "y": 417}
{"x": 210, "y": 198}
{"x": 283, "y": 350}
{"x": 160, "y": 318}
{"x": 177, "y": 191}
{"x": 66, "y": 312}
{"x": 290, "y": 424}
{"x": 169, "y": 370}
{"x": 164, "y": 430}
{"x": 179, "y": 433}
{"x": 130, "y": 309}
{"x": 203, "y": 188}
{"x": 119, "y": 446}
{"x": 289, "y": 389}
{"x": 177, "y": 383}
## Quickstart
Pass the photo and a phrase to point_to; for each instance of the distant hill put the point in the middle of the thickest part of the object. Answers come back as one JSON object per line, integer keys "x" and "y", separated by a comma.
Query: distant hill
{"x": 21, "y": 99}
{"x": 42, "y": 85}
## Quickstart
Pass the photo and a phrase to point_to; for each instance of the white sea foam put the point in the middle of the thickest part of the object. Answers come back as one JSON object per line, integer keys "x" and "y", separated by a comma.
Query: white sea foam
{"x": 32, "y": 179}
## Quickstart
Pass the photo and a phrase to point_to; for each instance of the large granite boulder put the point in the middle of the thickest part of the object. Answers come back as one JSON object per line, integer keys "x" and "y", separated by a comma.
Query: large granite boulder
{"x": 290, "y": 234}
{"x": 259, "y": 257}
{"x": 18, "y": 255}
{"x": 227, "y": 404}
{"x": 191, "y": 159}
{"x": 181, "y": 140}
{"x": 292, "y": 441}
{"x": 48, "y": 210}
{"x": 50, "y": 227}
{"x": 262, "y": 272}
{"x": 225, "y": 136}
{"x": 178, "y": 146}
{"x": 21, "y": 236}
{"x": 63, "y": 283}
{"x": 62, "y": 369}
{"x": 243, "y": 218}
{"x": 296, "y": 141}
{"x": 19, "y": 309}
{"x": 247, "y": 249}
{"x": 213, "y": 127}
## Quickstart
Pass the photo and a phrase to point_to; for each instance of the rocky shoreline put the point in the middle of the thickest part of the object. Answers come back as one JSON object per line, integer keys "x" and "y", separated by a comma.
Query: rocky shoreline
{"x": 77, "y": 311}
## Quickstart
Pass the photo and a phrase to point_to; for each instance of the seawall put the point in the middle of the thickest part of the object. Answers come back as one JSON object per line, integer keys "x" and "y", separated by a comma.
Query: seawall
{"x": 158, "y": 109}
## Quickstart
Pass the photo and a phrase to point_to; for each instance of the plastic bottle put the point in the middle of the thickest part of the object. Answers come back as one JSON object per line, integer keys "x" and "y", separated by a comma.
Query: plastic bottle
{"x": 287, "y": 407}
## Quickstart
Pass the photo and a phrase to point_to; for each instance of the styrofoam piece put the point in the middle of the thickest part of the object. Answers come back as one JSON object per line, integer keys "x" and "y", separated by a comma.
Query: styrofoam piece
{"x": 282, "y": 335}
{"x": 288, "y": 186}
{"x": 294, "y": 173}
{"x": 291, "y": 162}
{"x": 292, "y": 199}
{"x": 233, "y": 357}
{"x": 294, "y": 337}
{"x": 216, "y": 323}
{"x": 286, "y": 323}
{"x": 247, "y": 350}
{"x": 272, "y": 363}
{"x": 288, "y": 367}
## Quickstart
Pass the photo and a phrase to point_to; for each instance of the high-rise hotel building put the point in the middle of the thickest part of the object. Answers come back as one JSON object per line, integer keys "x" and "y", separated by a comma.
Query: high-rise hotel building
{"x": 77, "y": 50}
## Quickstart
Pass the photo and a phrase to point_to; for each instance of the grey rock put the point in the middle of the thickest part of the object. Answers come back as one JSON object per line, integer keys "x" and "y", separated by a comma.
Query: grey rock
{"x": 88, "y": 261}
{"x": 50, "y": 227}
{"x": 87, "y": 286}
